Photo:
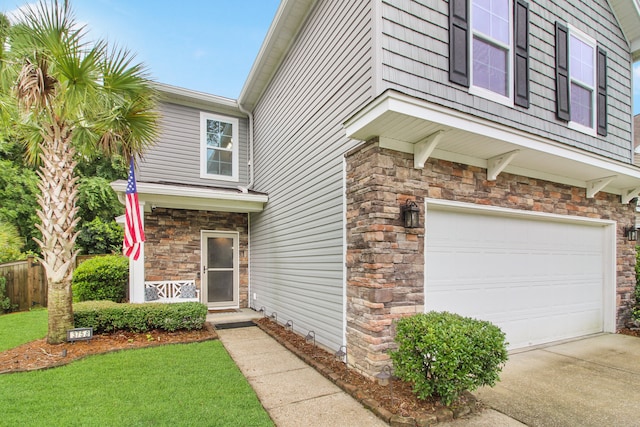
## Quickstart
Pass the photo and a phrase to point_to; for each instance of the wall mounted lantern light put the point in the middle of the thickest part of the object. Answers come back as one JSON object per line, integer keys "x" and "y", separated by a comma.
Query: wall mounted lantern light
{"x": 411, "y": 214}
{"x": 631, "y": 233}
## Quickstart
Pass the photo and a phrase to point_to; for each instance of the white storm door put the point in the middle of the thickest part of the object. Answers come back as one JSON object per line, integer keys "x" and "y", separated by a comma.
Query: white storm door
{"x": 220, "y": 269}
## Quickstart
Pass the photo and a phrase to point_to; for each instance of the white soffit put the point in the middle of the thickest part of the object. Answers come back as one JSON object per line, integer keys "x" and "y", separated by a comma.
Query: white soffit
{"x": 196, "y": 198}
{"x": 628, "y": 14}
{"x": 400, "y": 121}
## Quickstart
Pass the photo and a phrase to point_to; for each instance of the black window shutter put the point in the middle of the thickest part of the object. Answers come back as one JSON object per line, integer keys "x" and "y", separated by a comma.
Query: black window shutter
{"x": 459, "y": 42}
{"x": 521, "y": 74}
{"x": 562, "y": 73}
{"x": 602, "y": 92}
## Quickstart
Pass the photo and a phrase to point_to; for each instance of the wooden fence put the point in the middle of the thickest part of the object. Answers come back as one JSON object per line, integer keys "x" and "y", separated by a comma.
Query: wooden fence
{"x": 26, "y": 283}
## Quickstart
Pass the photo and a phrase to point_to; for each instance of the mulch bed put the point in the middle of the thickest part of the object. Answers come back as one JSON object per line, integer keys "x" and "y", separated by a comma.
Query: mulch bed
{"x": 634, "y": 332}
{"x": 40, "y": 355}
{"x": 401, "y": 407}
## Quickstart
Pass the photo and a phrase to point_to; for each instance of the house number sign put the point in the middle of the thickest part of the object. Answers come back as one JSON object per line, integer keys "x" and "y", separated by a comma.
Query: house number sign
{"x": 79, "y": 334}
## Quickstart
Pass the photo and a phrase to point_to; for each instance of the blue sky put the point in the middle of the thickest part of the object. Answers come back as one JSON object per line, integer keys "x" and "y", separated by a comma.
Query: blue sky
{"x": 202, "y": 45}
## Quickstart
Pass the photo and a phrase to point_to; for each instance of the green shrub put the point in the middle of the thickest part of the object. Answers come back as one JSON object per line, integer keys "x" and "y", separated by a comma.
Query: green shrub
{"x": 5, "y": 302}
{"x": 107, "y": 316}
{"x": 101, "y": 278}
{"x": 444, "y": 354}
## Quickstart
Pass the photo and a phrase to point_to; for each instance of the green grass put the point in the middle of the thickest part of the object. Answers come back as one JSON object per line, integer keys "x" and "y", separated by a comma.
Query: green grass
{"x": 23, "y": 327}
{"x": 174, "y": 385}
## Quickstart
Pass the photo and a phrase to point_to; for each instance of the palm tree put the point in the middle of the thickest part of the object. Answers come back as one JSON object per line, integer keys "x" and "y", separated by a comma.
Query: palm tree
{"x": 66, "y": 96}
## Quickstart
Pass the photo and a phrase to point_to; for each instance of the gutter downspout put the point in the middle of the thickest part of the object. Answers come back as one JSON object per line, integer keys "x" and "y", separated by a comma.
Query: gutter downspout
{"x": 250, "y": 299}
{"x": 250, "y": 162}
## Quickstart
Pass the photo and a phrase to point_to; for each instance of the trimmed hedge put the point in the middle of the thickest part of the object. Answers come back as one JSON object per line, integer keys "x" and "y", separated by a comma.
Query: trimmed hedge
{"x": 101, "y": 278}
{"x": 108, "y": 316}
{"x": 443, "y": 354}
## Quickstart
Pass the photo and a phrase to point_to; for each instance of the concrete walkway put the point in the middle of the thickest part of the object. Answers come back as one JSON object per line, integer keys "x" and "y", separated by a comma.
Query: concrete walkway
{"x": 293, "y": 393}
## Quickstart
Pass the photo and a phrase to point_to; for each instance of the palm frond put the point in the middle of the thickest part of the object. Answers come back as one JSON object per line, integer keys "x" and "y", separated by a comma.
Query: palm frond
{"x": 121, "y": 74}
{"x": 35, "y": 86}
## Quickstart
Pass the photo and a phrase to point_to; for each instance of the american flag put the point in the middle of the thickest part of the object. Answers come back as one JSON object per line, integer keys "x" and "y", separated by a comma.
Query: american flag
{"x": 133, "y": 232}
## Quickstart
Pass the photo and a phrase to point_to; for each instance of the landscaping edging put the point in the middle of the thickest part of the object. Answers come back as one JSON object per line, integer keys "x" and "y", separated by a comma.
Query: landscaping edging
{"x": 466, "y": 405}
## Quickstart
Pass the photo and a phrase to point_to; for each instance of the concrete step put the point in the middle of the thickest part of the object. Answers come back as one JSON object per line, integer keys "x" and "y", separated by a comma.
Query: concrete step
{"x": 240, "y": 318}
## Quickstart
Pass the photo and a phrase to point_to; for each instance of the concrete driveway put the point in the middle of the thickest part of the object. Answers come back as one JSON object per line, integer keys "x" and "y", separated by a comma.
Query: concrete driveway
{"x": 594, "y": 381}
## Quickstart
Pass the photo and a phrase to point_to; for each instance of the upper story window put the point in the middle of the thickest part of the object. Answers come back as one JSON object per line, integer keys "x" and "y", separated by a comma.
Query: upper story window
{"x": 582, "y": 70}
{"x": 581, "y": 81}
{"x": 218, "y": 147}
{"x": 489, "y": 48}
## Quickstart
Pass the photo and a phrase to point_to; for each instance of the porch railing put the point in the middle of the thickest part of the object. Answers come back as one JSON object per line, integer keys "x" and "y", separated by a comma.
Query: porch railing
{"x": 171, "y": 291}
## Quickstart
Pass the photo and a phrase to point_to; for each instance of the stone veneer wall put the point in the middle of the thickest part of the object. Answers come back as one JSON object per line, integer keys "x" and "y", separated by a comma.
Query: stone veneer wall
{"x": 172, "y": 249}
{"x": 385, "y": 261}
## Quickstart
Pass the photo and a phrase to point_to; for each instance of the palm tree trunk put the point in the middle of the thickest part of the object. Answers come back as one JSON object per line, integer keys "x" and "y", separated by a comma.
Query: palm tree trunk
{"x": 58, "y": 222}
{"x": 60, "y": 311}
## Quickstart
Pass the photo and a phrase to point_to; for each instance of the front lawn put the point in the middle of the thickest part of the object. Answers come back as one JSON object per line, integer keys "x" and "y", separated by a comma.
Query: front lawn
{"x": 20, "y": 328}
{"x": 181, "y": 384}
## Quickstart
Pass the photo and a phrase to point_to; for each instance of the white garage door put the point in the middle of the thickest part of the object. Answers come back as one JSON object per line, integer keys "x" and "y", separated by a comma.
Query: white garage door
{"x": 540, "y": 280}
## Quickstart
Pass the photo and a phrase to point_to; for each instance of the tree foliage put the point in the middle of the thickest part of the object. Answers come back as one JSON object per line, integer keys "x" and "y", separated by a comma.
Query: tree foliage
{"x": 100, "y": 237}
{"x": 18, "y": 201}
{"x": 96, "y": 199}
{"x": 10, "y": 243}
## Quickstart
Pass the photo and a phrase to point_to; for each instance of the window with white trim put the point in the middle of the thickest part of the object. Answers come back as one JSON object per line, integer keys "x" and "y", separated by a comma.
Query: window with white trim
{"x": 582, "y": 71}
{"x": 218, "y": 147}
{"x": 491, "y": 47}
{"x": 581, "y": 81}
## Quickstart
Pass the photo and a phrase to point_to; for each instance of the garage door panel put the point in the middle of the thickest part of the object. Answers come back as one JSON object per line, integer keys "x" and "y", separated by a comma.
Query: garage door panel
{"x": 539, "y": 280}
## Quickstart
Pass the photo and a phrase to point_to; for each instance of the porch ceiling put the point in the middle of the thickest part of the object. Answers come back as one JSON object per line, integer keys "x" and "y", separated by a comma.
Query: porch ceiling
{"x": 178, "y": 196}
{"x": 404, "y": 123}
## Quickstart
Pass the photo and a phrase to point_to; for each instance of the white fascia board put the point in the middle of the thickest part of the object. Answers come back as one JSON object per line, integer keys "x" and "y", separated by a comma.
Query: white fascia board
{"x": 183, "y": 197}
{"x": 635, "y": 49}
{"x": 180, "y": 93}
{"x": 281, "y": 34}
{"x": 395, "y": 102}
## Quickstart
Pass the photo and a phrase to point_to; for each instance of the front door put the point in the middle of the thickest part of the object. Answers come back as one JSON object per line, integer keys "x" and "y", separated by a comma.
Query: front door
{"x": 220, "y": 269}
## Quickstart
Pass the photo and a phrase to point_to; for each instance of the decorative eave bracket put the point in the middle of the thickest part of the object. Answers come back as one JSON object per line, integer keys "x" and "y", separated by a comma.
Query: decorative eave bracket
{"x": 596, "y": 185}
{"x": 629, "y": 194}
{"x": 496, "y": 165}
{"x": 422, "y": 150}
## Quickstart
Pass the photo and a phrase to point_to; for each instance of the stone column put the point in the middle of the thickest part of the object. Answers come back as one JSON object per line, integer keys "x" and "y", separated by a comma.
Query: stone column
{"x": 385, "y": 260}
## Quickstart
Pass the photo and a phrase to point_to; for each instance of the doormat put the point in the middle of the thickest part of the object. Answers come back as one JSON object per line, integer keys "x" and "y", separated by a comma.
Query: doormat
{"x": 234, "y": 325}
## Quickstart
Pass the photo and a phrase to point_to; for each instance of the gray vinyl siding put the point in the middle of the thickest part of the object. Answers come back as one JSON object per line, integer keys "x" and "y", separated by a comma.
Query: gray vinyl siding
{"x": 297, "y": 245}
{"x": 415, "y": 61}
{"x": 176, "y": 156}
